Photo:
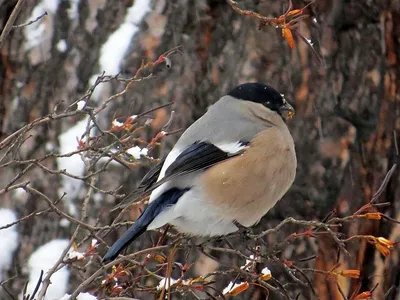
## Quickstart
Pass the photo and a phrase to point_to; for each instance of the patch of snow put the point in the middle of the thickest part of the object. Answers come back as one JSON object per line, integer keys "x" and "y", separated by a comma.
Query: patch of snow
{"x": 8, "y": 239}
{"x": 93, "y": 243}
{"x": 45, "y": 258}
{"x": 167, "y": 282}
{"x": 74, "y": 255}
{"x": 164, "y": 282}
{"x": 50, "y": 146}
{"x": 72, "y": 11}
{"x": 15, "y": 103}
{"x": 138, "y": 11}
{"x": 80, "y": 105}
{"x": 114, "y": 50}
{"x": 110, "y": 162}
{"x": 50, "y": 5}
{"x": 116, "y": 123}
{"x": 81, "y": 296}
{"x": 98, "y": 198}
{"x": 64, "y": 223}
{"x": 34, "y": 33}
{"x": 20, "y": 195}
{"x": 266, "y": 271}
{"x": 72, "y": 164}
{"x": 249, "y": 263}
{"x": 230, "y": 287}
{"x": 137, "y": 152}
{"x": 62, "y": 46}
{"x": 144, "y": 151}
{"x": 309, "y": 41}
{"x": 100, "y": 88}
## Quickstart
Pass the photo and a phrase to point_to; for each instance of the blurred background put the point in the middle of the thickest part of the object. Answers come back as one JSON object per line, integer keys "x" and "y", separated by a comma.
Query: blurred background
{"x": 345, "y": 128}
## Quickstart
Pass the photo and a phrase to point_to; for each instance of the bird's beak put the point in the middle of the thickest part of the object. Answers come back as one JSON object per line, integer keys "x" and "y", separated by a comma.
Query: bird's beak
{"x": 287, "y": 111}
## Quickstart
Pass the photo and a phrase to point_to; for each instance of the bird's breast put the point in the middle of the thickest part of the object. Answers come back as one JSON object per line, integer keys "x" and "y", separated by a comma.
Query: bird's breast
{"x": 245, "y": 187}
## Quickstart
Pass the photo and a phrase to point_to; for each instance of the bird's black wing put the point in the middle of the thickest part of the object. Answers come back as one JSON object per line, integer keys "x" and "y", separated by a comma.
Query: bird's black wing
{"x": 147, "y": 181}
{"x": 198, "y": 156}
{"x": 151, "y": 177}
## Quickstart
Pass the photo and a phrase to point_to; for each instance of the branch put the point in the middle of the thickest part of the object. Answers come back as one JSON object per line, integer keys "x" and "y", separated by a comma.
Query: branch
{"x": 30, "y": 22}
{"x": 10, "y": 22}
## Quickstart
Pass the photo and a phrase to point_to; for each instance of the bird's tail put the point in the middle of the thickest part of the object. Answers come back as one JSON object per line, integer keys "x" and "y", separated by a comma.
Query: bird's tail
{"x": 168, "y": 198}
{"x": 129, "y": 236}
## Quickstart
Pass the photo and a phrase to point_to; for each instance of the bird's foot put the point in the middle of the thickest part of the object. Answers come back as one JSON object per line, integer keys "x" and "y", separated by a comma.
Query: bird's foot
{"x": 244, "y": 231}
{"x": 203, "y": 250}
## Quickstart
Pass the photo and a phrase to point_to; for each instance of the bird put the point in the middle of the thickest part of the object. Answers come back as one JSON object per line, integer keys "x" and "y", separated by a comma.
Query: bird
{"x": 226, "y": 171}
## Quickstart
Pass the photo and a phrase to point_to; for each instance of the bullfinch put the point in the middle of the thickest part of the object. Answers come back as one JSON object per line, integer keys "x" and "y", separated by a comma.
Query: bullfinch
{"x": 227, "y": 170}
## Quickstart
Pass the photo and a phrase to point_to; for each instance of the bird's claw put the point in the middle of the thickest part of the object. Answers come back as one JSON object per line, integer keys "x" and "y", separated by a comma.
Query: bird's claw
{"x": 244, "y": 231}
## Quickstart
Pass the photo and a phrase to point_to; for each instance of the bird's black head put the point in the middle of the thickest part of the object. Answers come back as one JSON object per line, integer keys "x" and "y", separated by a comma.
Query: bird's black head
{"x": 265, "y": 95}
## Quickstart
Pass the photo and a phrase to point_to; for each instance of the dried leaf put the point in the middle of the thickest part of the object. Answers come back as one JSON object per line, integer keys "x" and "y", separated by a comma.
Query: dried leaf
{"x": 351, "y": 273}
{"x": 239, "y": 289}
{"x": 287, "y": 34}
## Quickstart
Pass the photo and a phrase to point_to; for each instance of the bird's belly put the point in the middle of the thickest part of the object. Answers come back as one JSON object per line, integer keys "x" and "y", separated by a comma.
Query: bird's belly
{"x": 196, "y": 216}
{"x": 246, "y": 193}
{"x": 207, "y": 227}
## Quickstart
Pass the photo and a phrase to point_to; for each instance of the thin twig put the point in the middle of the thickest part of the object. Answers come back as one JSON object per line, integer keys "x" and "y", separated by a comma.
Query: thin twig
{"x": 101, "y": 270}
{"x": 10, "y": 22}
{"x": 384, "y": 184}
{"x": 30, "y": 22}
{"x": 33, "y": 214}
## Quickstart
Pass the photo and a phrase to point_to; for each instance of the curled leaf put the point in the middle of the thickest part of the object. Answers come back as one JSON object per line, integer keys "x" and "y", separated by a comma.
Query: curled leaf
{"x": 239, "y": 289}
{"x": 373, "y": 216}
{"x": 159, "y": 258}
{"x": 363, "y": 295}
{"x": 351, "y": 273}
{"x": 235, "y": 289}
{"x": 287, "y": 34}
